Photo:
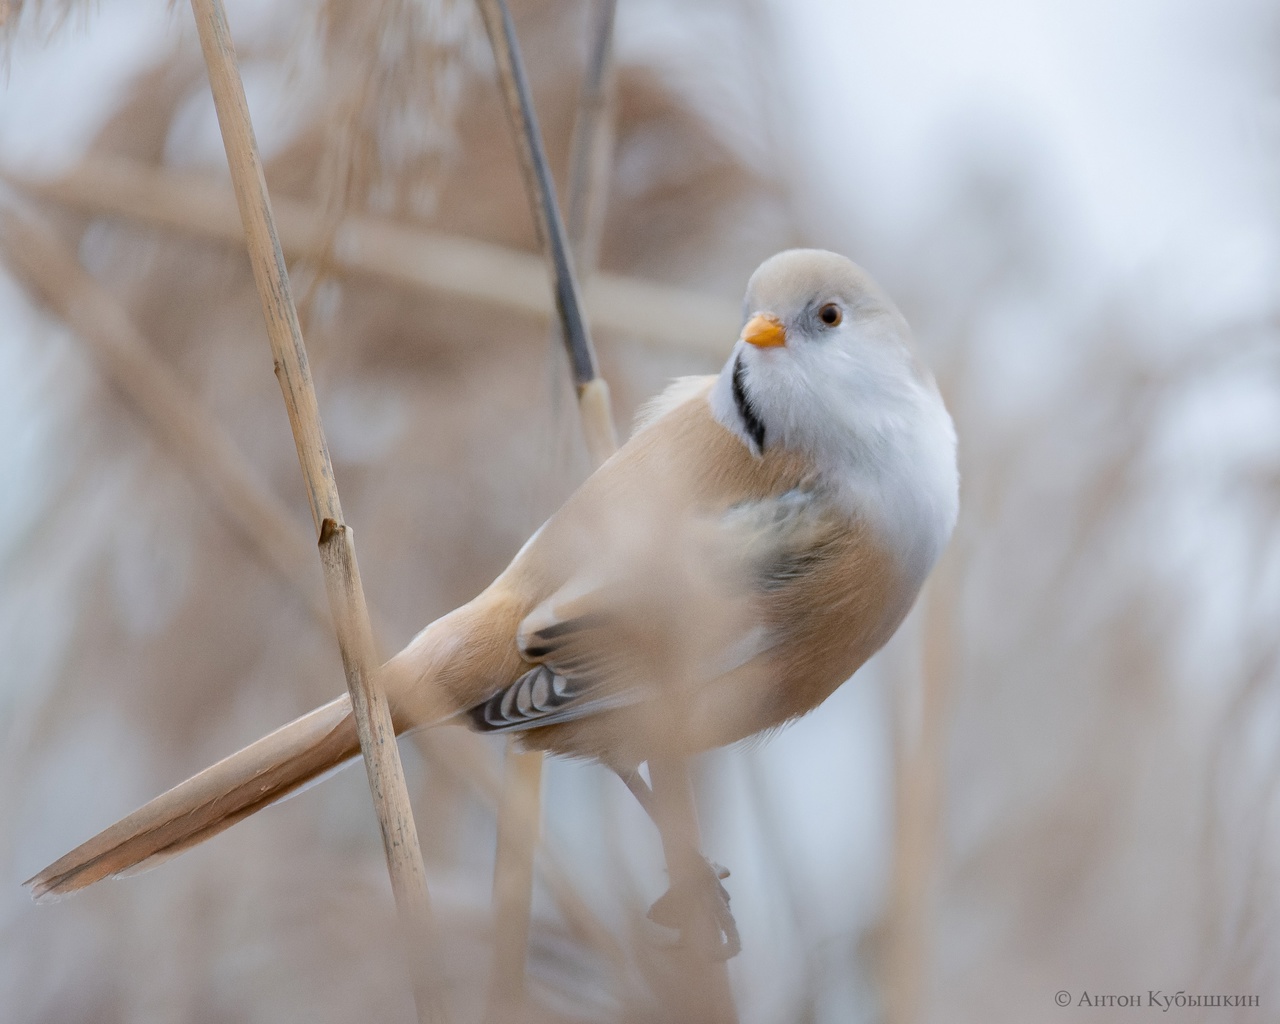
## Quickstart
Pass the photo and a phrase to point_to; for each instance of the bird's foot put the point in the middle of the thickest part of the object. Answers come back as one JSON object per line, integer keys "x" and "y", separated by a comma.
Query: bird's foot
{"x": 698, "y": 907}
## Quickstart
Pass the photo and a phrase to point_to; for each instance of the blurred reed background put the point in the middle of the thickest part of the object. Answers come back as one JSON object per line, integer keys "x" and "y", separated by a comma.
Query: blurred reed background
{"x": 1060, "y": 776}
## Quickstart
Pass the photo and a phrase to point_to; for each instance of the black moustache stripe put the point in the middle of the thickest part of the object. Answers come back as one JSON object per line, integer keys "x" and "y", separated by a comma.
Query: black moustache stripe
{"x": 751, "y": 421}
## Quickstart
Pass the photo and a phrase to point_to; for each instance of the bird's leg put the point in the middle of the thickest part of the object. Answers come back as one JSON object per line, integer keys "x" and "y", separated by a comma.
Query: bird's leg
{"x": 635, "y": 782}
{"x": 696, "y": 903}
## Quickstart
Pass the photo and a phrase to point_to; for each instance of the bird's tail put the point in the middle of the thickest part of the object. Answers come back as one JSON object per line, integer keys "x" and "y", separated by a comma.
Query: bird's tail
{"x": 423, "y": 683}
{"x": 193, "y": 811}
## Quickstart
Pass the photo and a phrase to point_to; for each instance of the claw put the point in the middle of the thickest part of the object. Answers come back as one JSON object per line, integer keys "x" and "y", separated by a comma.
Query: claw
{"x": 689, "y": 899}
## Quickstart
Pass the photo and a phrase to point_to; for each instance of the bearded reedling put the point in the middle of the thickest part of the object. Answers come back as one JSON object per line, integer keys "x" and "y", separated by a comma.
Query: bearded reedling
{"x": 760, "y": 536}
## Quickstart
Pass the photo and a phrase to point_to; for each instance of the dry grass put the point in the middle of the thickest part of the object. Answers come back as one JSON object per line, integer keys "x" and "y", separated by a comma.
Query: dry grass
{"x": 1102, "y": 761}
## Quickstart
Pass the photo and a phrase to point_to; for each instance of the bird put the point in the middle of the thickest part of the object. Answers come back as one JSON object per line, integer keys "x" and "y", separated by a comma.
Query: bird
{"x": 762, "y": 533}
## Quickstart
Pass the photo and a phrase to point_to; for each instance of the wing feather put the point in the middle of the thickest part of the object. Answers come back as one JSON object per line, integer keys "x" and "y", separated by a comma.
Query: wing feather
{"x": 587, "y": 642}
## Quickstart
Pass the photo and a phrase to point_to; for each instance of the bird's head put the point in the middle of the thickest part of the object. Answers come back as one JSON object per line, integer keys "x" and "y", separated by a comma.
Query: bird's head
{"x": 823, "y": 351}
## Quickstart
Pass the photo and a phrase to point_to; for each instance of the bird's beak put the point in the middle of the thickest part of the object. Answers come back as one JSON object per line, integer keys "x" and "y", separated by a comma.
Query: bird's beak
{"x": 764, "y": 330}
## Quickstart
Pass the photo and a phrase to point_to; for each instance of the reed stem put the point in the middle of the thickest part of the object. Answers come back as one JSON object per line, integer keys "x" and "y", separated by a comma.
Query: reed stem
{"x": 597, "y": 424}
{"x": 337, "y": 551}
{"x": 404, "y": 255}
{"x": 519, "y": 809}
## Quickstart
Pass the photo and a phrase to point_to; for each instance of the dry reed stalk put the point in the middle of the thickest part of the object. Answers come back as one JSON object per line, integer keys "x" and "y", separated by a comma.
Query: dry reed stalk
{"x": 407, "y": 256}
{"x": 582, "y": 920}
{"x": 593, "y": 393}
{"x": 519, "y": 811}
{"x": 342, "y": 576}
{"x": 178, "y": 419}
{"x": 592, "y": 145}
{"x": 919, "y": 773}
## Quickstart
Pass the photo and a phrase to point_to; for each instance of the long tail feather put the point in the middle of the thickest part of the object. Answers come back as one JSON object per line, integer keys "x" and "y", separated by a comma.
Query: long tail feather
{"x": 195, "y": 810}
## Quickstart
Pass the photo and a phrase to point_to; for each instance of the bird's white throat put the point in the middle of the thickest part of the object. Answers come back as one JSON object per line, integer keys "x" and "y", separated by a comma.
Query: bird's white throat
{"x": 878, "y": 435}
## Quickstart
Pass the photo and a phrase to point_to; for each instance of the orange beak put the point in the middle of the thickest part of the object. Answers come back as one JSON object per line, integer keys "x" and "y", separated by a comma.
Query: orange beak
{"x": 764, "y": 330}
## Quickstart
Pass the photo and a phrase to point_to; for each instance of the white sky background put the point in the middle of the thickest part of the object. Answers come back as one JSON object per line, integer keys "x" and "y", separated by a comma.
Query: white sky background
{"x": 1153, "y": 119}
{"x": 1154, "y": 123}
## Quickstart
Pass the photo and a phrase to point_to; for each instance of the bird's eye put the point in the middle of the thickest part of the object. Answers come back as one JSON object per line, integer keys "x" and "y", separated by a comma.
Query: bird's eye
{"x": 830, "y": 314}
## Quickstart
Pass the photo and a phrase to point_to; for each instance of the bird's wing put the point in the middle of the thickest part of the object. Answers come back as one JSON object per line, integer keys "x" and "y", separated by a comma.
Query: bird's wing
{"x": 549, "y": 694}
{"x": 568, "y": 638}
{"x": 782, "y": 539}
{"x": 594, "y": 645}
